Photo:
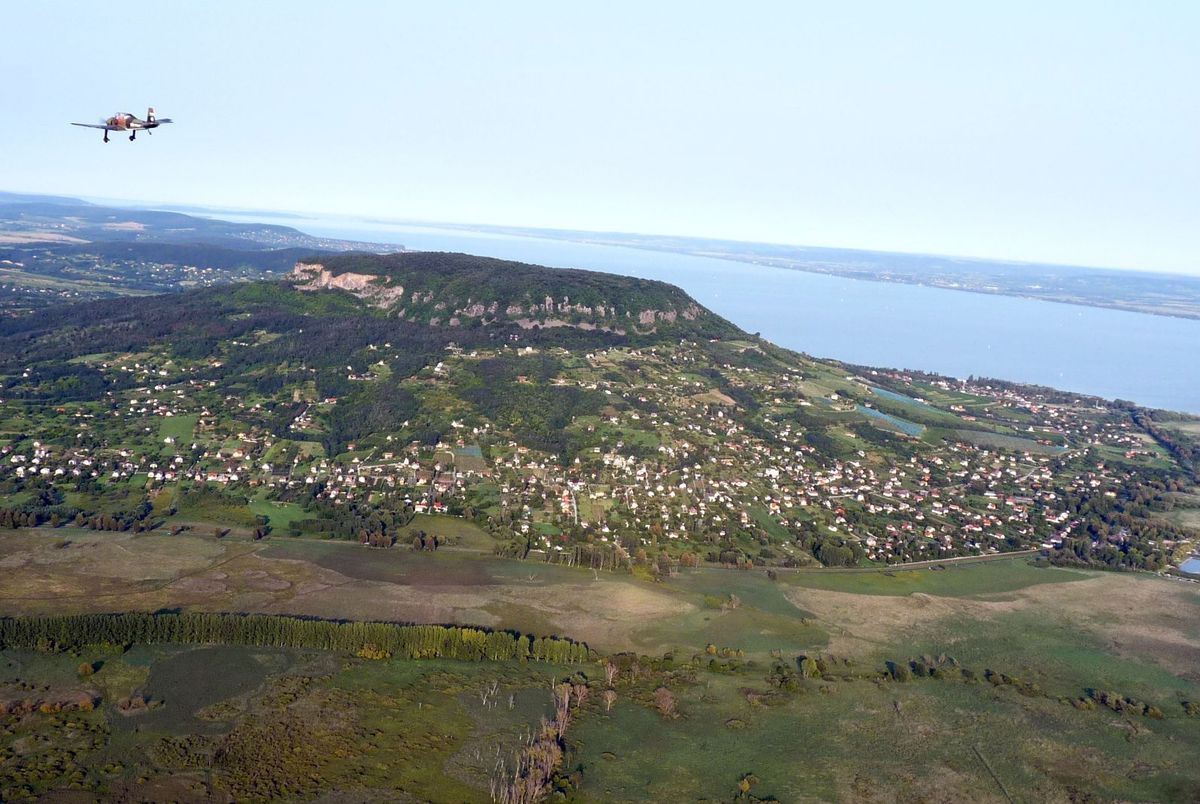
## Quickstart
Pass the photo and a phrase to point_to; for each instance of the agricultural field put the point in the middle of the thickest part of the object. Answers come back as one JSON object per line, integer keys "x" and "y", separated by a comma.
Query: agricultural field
{"x": 1186, "y": 510}
{"x": 1189, "y": 427}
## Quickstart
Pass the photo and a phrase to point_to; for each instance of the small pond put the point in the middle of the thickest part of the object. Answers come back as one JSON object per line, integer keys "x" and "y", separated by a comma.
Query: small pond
{"x": 907, "y": 400}
{"x": 905, "y": 426}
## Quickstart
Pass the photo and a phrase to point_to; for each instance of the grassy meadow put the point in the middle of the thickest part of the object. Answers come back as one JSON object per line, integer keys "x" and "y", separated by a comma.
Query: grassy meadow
{"x": 745, "y": 712}
{"x": 271, "y": 724}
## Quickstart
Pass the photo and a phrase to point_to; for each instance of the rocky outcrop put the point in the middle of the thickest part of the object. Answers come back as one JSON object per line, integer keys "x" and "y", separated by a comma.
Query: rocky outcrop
{"x": 649, "y": 318}
{"x": 371, "y": 288}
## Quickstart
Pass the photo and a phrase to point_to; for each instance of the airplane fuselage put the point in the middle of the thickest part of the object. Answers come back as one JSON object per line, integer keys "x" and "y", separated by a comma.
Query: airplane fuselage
{"x": 124, "y": 121}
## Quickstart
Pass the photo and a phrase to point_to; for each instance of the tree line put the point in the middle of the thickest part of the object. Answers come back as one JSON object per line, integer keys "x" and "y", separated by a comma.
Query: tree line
{"x": 71, "y": 632}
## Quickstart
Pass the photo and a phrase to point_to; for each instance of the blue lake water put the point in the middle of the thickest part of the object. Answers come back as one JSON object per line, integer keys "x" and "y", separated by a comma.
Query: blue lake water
{"x": 1109, "y": 353}
{"x": 1192, "y": 565}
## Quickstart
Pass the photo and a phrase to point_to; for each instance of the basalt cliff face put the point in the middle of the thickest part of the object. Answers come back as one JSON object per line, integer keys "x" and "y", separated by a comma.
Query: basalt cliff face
{"x": 315, "y": 276}
{"x": 461, "y": 290}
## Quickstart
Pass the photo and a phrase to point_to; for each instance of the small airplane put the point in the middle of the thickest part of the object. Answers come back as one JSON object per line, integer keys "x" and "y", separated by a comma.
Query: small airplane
{"x": 124, "y": 121}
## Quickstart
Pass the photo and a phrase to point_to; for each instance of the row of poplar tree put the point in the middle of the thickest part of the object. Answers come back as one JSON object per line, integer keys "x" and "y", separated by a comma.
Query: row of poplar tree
{"x": 70, "y": 632}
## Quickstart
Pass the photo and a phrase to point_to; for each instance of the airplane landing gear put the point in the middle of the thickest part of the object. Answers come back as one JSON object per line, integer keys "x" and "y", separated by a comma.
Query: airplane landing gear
{"x": 106, "y": 136}
{"x": 131, "y": 136}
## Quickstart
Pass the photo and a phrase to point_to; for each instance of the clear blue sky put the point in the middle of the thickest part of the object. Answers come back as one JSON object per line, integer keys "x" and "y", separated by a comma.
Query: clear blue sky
{"x": 1065, "y": 132}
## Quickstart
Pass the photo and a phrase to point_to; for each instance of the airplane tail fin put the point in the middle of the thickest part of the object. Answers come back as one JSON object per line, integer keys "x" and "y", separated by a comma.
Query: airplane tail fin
{"x": 150, "y": 115}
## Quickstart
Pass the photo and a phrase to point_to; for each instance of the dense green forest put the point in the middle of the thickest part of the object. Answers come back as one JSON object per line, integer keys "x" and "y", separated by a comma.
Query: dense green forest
{"x": 1127, "y": 529}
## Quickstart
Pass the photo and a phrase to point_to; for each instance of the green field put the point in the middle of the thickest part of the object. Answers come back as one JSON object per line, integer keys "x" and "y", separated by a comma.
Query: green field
{"x": 454, "y": 532}
{"x": 280, "y": 515}
{"x": 594, "y": 510}
{"x": 1188, "y": 517}
{"x": 1189, "y": 427}
{"x": 954, "y": 579}
{"x": 181, "y": 428}
{"x": 207, "y": 505}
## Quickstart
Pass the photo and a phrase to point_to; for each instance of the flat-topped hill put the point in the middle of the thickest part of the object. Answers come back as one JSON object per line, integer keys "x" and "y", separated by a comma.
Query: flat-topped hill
{"x": 448, "y": 289}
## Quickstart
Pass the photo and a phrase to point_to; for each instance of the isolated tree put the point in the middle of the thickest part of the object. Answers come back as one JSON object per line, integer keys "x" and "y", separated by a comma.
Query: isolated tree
{"x": 809, "y": 667}
{"x": 666, "y": 565}
{"x": 664, "y": 702}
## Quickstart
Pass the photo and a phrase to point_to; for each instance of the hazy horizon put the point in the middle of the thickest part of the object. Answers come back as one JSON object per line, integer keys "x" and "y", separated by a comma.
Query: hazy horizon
{"x": 367, "y": 217}
{"x": 1062, "y": 134}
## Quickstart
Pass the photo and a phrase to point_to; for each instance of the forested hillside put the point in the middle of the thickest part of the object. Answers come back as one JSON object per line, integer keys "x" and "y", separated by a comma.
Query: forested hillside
{"x": 463, "y": 290}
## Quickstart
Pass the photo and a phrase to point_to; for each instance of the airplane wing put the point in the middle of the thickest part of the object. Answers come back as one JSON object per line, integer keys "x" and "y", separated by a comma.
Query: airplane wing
{"x": 97, "y": 125}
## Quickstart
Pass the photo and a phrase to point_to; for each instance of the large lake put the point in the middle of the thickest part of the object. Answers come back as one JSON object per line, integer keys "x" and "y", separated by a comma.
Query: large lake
{"x": 1109, "y": 353}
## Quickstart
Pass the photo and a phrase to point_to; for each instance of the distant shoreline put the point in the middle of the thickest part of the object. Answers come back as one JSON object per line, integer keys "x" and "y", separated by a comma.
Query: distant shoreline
{"x": 884, "y": 276}
{"x": 1142, "y": 291}
{"x": 899, "y": 280}
{"x": 1125, "y": 290}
